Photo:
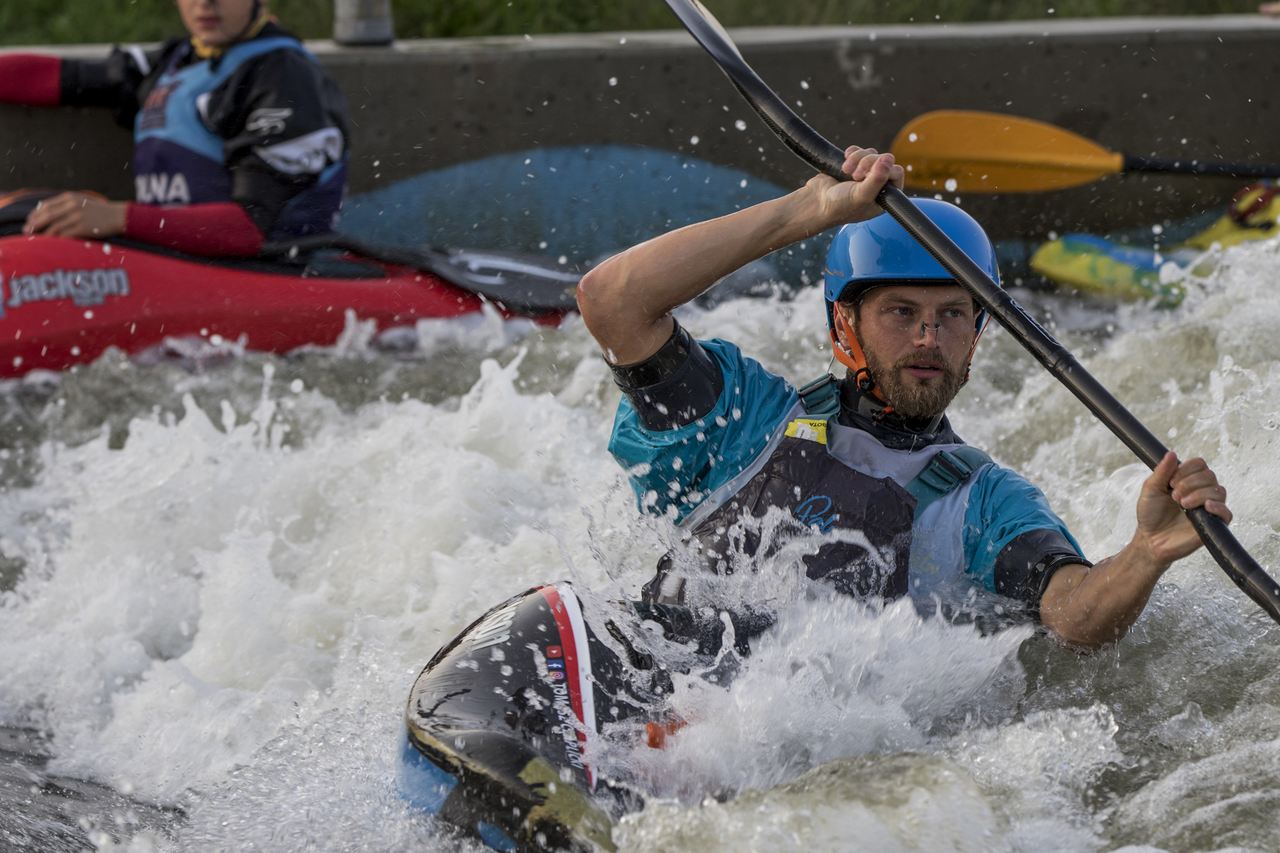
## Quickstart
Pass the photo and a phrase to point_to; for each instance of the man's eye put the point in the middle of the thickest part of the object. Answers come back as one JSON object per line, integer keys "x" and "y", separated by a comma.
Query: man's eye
{"x": 900, "y": 311}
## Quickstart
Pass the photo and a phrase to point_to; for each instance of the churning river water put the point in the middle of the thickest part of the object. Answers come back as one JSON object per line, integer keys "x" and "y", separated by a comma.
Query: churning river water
{"x": 219, "y": 578}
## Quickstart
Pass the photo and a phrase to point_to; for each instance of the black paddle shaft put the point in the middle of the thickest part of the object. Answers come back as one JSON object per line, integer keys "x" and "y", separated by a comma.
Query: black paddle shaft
{"x": 818, "y": 152}
{"x": 1134, "y": 163}
{"x": 520, "y": 283}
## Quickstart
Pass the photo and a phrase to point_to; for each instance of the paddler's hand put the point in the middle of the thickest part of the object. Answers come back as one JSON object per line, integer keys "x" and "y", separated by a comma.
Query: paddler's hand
{"x": 1164, "y": 530}
{"x": 77, "y": 214}
{"x": 854, "y": 200}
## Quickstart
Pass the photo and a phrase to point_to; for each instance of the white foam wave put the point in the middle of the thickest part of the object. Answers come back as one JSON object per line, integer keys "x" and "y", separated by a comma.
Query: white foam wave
{"x": 227, "y": 611}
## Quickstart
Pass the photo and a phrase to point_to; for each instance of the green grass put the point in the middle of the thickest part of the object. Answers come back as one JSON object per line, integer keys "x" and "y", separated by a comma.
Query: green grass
{"x": 65, "y": 21}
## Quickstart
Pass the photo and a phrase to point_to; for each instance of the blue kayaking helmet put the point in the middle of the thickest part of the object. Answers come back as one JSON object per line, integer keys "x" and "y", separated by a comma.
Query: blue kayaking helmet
{"x": 879, "y": 252}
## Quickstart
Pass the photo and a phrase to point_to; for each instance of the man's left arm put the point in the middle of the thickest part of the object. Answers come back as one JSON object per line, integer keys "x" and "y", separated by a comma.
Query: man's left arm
{"x": 1091, "y": 607}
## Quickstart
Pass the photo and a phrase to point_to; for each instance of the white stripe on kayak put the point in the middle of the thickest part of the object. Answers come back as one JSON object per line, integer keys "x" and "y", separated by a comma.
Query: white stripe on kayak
{"x": 585, "y": 685}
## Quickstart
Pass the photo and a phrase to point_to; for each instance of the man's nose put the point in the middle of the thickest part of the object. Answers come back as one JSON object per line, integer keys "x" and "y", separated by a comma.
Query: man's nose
{"x": 922, "y": 333}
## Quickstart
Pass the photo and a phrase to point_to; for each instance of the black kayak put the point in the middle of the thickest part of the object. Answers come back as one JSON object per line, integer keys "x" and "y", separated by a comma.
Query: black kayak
{"x": 503, "y": 722}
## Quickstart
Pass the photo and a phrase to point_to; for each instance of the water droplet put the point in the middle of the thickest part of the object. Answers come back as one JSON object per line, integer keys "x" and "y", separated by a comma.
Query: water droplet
{"x": 740, "y": 125}
{"x": 693, "y": 140}
{"x": 912, "y": 137}
{"x": 950, "y": 185}
{"x": 613, "y": 81}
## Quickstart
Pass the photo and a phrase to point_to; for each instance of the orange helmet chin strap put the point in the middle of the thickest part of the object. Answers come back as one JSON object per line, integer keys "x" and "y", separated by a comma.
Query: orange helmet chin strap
{"x": 848, "y": 351}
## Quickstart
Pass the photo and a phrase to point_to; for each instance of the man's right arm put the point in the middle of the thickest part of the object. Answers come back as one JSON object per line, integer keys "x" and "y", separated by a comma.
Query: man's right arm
{"x": 1090, "y": 607}
{"x": 626, "y": 302}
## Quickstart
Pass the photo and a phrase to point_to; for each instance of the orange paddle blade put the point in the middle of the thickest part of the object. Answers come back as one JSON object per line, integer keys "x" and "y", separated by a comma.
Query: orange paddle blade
{"x": 977, "y": 152}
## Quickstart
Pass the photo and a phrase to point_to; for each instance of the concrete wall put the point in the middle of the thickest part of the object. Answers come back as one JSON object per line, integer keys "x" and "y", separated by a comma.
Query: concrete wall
{"x": 1201, "y": 87}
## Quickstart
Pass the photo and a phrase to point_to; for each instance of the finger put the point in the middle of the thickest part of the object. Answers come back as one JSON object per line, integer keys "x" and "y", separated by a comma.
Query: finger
{"x": 1191, "y": 475}
{"x": 1182, "y": 486}
{"x": 851, "y": 158}
{"x": 51, "y": 209}
{"x": 1160, "y": 476}
{"x": 39, "y": 219}
{"x": 1192, "y": 466}
{"x": 61, "y": 202}
{"x": 64, "y": 224}
{"x": 876, "y": 170}
{"x": 1221, "y": 510}
{"x": 856, "y": 159}
{"x": 855, "y": 151}
{"x": 869, "y": 158}
{"x": 897, "y": 176}
{"x": 1201, "y": 496}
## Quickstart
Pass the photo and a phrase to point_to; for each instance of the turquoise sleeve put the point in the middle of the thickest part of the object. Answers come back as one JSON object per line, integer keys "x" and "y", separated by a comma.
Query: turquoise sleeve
{"x": 677, "y": 468}
{"x": 1003, "y": 506}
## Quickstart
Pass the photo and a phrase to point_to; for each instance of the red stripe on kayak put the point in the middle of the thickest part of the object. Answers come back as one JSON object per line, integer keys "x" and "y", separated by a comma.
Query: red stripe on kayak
{"x": 573, "y": 676}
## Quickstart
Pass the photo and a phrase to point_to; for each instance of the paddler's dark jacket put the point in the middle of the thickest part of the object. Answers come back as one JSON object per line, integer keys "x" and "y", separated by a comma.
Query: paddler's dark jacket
{"x": 899, "y": 508}
{"x": 268, "y": 132}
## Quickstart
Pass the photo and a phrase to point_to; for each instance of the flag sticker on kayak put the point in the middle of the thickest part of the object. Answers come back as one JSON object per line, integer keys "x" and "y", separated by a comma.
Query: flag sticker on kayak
{"x": 85, "y": 288}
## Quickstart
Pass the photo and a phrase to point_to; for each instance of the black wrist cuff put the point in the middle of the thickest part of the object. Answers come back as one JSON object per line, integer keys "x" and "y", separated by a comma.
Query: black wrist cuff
{"x": 1025, "y": 566}
{"x": 675, "y": 386}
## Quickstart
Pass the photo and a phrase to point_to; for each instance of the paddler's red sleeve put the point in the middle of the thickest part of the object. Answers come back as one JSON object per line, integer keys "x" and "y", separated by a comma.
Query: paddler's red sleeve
{"x": 220, "y": 229}
{"x": 31, "y": 79}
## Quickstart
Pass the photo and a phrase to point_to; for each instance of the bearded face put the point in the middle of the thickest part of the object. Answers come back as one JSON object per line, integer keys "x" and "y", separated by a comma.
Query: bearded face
{"x": 912, "y": 397}
{"x": 917, "y": 342}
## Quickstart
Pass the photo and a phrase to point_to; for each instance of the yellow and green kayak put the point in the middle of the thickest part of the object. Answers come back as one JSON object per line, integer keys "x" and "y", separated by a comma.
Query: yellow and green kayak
{"x": 1109, "y": 269}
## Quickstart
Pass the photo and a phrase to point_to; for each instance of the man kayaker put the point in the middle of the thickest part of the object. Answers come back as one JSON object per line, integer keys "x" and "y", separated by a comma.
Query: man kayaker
{"x": 239, "y": 135}
{"x": 732, "y": 451}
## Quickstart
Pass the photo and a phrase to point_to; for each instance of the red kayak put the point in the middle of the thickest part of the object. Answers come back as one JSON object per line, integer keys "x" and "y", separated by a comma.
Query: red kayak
{"x": 65, "y": 301}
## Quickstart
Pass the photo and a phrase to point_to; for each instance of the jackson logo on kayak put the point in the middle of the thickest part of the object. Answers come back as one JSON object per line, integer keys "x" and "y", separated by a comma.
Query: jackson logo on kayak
{"x": 495, "y": 630}
{"x": 85, "y": 288}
